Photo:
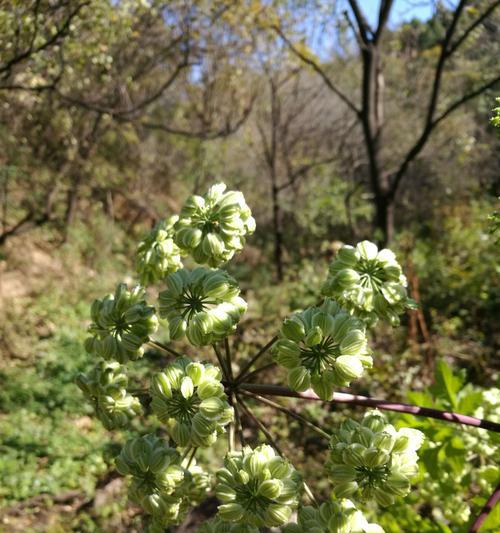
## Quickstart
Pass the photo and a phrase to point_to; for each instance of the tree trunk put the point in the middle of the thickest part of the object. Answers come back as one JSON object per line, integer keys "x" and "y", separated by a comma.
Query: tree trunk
{"x": 278, "y": 233}
{"x": 384, "y": 218}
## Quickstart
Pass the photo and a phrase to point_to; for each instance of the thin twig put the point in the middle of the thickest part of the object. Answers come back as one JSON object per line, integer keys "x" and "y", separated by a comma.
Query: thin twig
{"x": 261, "y": 426}
{"x": 187, "y": 451}
{"x": 228, "y": 358}
{"x": 289, "y": 412}
{"x": 485, "y": 511}
{"x": 239, "y": 425}
{"x": 250, "y": 363}
{"x": 221, "y": 361}
{"x": 164, "y": 347}
{"x": 191, "y": 458}
{"x": 341, "y": 397}
{"x": 258, "y": 371}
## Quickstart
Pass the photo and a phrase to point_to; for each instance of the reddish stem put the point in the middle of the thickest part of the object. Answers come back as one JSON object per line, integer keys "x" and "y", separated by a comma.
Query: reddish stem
{"x": 485, "y": 511}
{"x": 341, "y": 397}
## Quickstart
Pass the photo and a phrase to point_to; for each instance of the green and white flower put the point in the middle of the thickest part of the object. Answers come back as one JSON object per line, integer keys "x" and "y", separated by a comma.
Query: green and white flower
{"x": 213, "y": 227}
{"x": 373, "y": 460}
{"x": 203, "y": 304}
{"x": 157, "y": 478}
{"x": 190, "y": 399}
{"x": 157, "y": 254}
{"x": 216, "y": 525}
{"x": 332, "y": 517}
{"x": 369, "y": 283}
{"x": 106, "y": 386}
{"x": 257, "y": 487}
{"x": 322, "y": 347}
{"x": 121, "y": 324}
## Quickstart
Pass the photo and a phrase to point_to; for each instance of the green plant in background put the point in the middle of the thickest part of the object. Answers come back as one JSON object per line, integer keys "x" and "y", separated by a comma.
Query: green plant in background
{"x": 324, "y": 346}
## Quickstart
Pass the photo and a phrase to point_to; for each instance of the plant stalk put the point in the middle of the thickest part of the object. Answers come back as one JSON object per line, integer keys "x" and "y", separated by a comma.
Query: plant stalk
{"x": 341, "y": 397}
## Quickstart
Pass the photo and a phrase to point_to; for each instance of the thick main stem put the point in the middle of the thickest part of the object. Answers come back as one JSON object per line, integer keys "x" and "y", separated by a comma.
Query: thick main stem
{"x": 341, "y": 397}
{"x": 485, "y": 511}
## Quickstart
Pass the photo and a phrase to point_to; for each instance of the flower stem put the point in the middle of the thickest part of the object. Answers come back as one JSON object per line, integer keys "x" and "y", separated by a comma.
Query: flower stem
{"x": 291, "y": 413}
{"x": 192, "y": 457}
{"x": 485, "y": 511}
{"x": 228, "y": 358}
{"x": 220, "y": 359}
{"x": 164, "y": 347}
{"x": 259, "y": 370}
{"x": 250, "y": 363}
{"x": 341, "y": 397}
{"x": 261, "y": 426}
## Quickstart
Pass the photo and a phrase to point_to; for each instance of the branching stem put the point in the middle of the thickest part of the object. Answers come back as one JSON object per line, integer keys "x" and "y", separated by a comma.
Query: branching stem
{"x": 254, "y": 359}
{"x": 290, "y": 413}
{"x": 341, "y": 397}
{"x": 220, "y": 359}
{"x": 164, "y": 348}
{"x": 485, "y": 511}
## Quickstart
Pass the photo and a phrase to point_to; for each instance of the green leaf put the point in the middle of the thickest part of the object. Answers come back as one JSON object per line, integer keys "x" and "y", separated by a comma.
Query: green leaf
{"x": 447, "y": 384}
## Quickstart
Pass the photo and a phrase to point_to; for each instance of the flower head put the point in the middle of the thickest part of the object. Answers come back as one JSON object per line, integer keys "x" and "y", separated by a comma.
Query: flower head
{"x": 202, "y": 304}
{"x": 332, "y": 517}
{"x": 257, "y": 487}
{"x": 369, "y": 283}
{"x": 122, "y": 323}
{"x": 106, "y": 386}
{"x": 217, "y": 525}
{"x": 157, "y": 254}
{"x": 157, "y": 478}
{"x": 190, "y": 399}
{"x": 322, "y": 347}
{"x": 213, "y": 227}
{"x": 372, "y": 459}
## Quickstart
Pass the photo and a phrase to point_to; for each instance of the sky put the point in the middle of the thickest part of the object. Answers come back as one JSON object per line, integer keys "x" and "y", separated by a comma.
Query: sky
{"x": 402, "y": 11}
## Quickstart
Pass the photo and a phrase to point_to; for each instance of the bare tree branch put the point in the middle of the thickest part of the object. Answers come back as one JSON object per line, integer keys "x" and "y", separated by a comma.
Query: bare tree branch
{"x": 205, "y": 134}
{"x": 309, "y": 61}
{"x": 58, "y": 34}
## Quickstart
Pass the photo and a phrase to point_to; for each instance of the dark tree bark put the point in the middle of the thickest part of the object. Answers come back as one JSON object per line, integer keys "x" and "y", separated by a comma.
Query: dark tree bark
{"x": 385, "y": 183}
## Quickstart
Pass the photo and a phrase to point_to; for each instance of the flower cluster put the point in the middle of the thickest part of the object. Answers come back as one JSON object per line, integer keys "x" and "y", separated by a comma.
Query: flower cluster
{"x": 213, "y": 227}
{"x": 202, "y": 304}
{"x": 257, "y": 487}
{"x": 157, "y": 477}
{"x": 332, "y": 517}
{"x": 157, "y": 254}
{"x": 216, "y": 525}
{"x": 369, "y": 283}
{"x": 372, "y": 459}
{"x": 105, "y": 385}
{"x": 190, "y": 399}
{"x": 121, "y": 324}
{"x": 322, "y": 347}
{"x": 161, "y": 482}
